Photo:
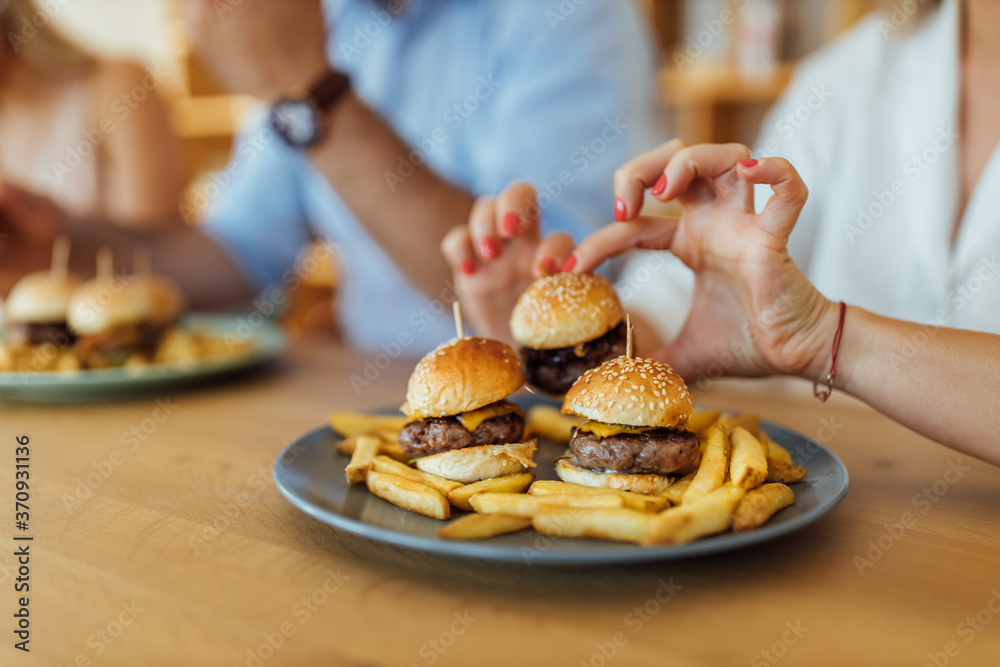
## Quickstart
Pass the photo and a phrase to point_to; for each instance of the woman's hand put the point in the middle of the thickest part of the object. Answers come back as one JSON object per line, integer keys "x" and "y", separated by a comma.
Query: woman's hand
{"x": 29, "y": 225}
{"x": 498, "y": 254}
{"x": 753, "y": 313}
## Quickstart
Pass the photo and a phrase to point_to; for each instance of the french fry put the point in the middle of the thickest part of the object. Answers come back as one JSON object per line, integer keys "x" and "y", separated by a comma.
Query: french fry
{"x": 747, "y": 420}
{"x": 636, "y": 501}
{"x": 519, "y": 504}
{"x": 714, "y": 464}
{"x": 383, "y": 463}
{"x": 515, "y": 483}
{"x": 387, "y": 447}
{"x": 622, "y": 525}
{"x": 761, "y": 504}
{"x": 777, "y": 456}
{"x": 548, "y": 422}
{"x": 354, "y": 423}
{"x": 708, "y": 515}
{"x": 675, "y": 492}
{"x": 701, "y": 420}
{"x": 482, "y": 526}
{"x": 786, "y": 475}
{"x": 409, "y": 495}
{"x": 361, "y": 459}
{"x": 748, "y": 466}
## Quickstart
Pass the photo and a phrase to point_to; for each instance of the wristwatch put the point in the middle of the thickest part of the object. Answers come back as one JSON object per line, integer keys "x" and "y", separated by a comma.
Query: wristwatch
{"x": 298, "y": 118}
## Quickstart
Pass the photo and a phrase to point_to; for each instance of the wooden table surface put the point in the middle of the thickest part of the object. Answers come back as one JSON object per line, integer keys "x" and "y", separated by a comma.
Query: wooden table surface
{"x": 160, "y": 539}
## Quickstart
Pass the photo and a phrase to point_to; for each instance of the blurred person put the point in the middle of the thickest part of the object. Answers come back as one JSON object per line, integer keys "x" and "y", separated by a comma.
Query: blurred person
{"x": 90, "y": 134}
{"x": 389, "y": 119}
{"x": 754, "y": 306}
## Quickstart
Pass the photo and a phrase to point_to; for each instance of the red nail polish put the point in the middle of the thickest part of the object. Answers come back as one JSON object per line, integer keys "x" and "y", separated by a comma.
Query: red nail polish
{"x": 569, "y": 264}
{"x": 620, "y": 211}
{"x": 747, "y": 164}
{"x": 490, "y": 248}
{"x": 549, "y": 265}
{"x": 468, "y": 267}
{"x": 511, "y": 224}
{"x": 660, "y": 186}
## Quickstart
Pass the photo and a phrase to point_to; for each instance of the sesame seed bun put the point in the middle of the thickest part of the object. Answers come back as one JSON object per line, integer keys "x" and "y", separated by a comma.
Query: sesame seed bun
{"x": 103, "y": 303}
{"x": 472, "y": 464}
{"x": 632, "y": 392}
{"x": 461, "y": 375}
{"x": 568, "y": 469}
{"x": 565, "y": 309}
{"x": 41, "y": 298}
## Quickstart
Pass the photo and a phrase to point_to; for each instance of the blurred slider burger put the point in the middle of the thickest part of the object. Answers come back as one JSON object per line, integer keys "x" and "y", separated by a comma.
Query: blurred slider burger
{"x": 635, "y": 437}
{"x": 35, "y": 312}
{"x": 462, "y": 427}
{"x": 567, "y": 323}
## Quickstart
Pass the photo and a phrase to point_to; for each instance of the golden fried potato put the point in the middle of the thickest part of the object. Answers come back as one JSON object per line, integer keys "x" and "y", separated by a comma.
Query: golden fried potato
{"x": 675, "y": 492}
{"x": 388, "y": 446}
{"x": 707, "y": 515}
{"x": 761, "y": 504}
{"x": 383, "y": 463}
{"x": 515, "y": 483}
{"x": 362, "y": 458}
{"x": 622, "y": 525}
{"x": 786, "y": 475}
{"x": 636, "y": 501}
{"x": 547, "y": 422}
{"x": 409, "y": 495}
{"x": 747, "y": 420}
{"x": 748, "y": 465}
{"x": 519, "y": 504}
{"x": 354, "y": 423}
{"x": 483, "y": 526}
{"x": 777, "y": 456}
{"x": 714, "y": 464}
{"x": 701, "y": 420}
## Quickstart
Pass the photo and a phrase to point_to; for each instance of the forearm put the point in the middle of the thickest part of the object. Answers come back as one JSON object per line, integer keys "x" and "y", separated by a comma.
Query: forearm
{"x": 202, "y": 270}
{"x": 942, "y": 383}
{"x": 407, "y": 217}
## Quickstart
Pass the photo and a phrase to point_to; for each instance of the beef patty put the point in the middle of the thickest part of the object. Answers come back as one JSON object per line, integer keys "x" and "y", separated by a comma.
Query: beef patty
{"x": 440, "y": 434}
{"x": 661, "y": 451}
{"x": 555, "y": 371}
{"x": 21, "y": 333}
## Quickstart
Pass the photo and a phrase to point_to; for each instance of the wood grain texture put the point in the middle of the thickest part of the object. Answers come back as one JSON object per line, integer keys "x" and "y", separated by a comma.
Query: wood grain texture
{"x": 188, "y": 540}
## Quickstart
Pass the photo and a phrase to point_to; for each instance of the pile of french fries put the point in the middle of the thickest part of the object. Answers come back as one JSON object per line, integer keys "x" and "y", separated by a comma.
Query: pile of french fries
{"x": 739, "y": 483}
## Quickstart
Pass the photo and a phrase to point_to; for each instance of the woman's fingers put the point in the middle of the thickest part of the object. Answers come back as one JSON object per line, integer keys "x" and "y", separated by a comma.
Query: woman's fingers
{"x": 642, "y": 172}
{"x": 456, "y": 246}
{"x": 701, "y": 161}
{"x": 790, "y": 193}
{"x": 552, "y": 253}
{"x": 645, "y": 232}
{"x": 517, "y": 211}
{"x": 483, "y": 229}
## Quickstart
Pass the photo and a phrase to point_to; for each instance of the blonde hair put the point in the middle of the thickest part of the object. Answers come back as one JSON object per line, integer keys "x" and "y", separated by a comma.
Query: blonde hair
{"x": 28, "y": 33}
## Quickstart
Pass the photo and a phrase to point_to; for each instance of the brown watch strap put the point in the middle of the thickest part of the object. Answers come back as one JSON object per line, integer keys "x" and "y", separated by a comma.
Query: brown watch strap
{"x": 328, "y": 88}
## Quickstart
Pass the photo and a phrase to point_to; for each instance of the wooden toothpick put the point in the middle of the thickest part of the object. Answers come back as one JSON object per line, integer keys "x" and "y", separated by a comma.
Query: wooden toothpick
{"x": 628, "y": 336}
{"x": 60, "y": 258}
{"x": 459, "y": 325}
{"x": 105, "y": 263}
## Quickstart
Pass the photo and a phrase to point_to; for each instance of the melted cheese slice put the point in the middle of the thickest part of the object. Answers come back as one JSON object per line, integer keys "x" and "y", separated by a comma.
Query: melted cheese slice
{"x": 472, "y": 419}
{"x": 603, "y": 430}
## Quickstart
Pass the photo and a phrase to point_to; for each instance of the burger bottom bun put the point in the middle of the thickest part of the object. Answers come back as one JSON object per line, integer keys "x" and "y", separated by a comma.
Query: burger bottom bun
{"x": 472, "y": 464}
{"x": 569, "y": 470}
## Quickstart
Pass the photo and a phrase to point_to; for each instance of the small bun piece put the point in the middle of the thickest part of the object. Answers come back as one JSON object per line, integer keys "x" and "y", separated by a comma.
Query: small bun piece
{"x": 568, "y": 469}
{"x": 105, "y": 303}
{"x": 40, "y": 298}
{"x": 565, "y": 309}
{"x": 631, "y": 392}
{"x": 461, "y": 375}
{"x": 167, "y": 301}
{"x": 472, "y": 464}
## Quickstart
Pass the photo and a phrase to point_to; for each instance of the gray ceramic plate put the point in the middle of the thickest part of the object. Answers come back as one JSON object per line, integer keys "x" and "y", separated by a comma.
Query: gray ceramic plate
{"x": 310, "y": 473}
{"x": 75, "y": 386}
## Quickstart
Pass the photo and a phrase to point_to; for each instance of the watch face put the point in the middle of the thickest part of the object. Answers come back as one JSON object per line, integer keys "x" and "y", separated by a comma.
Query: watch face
{"x": 297, "y": 122}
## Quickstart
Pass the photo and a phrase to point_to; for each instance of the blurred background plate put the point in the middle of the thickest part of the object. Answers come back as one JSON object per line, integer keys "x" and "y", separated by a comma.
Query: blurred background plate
{"x": 310, "y": 474}
{"x": 267, "y": 341}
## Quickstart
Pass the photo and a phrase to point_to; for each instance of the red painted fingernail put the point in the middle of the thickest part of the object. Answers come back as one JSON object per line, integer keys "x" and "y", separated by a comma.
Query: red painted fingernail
{"x": 549, "y": 265}
{"x": 660, "y": 186}
{"x": 490, "y": 248}
{"x": 569, "y": 264}
{"x": 468, "y": 267}
{"x": 511, "y": 224}
{"x": 748, "y": 163}
{"x": 620, "y": 211}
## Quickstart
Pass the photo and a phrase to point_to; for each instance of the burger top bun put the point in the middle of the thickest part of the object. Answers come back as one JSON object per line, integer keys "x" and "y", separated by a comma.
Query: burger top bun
{"x": 632, "y": 392}
{"x": 104, "y": 303}
{"x": 41, "y": 298}
{"x": 167, "y": 301}
{"x": 565, "y": 309}
{"x": 461, "y": 375}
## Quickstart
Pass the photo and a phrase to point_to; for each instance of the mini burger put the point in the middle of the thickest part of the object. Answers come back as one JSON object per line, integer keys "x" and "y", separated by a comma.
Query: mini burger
{"x": 117, "y": 319}
{"x": 35, "y": 313}
{"x": 635, "y": 435}
{"x": 566, "y": 324}
{"x": 462, "y": 427}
